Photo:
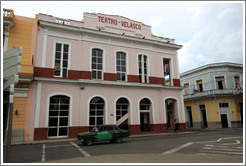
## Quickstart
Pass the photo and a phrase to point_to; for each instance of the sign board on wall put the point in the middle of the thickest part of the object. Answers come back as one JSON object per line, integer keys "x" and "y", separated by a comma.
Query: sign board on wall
{"x": 11, "y": 66}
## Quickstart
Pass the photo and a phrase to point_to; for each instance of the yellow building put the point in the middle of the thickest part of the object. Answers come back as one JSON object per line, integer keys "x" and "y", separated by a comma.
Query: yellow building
{"x": 20, "y": 31}
{"x": 213, "y": 96}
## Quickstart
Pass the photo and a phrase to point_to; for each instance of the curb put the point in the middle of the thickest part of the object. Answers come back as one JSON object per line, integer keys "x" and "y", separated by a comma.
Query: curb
{"x": 131, "y": 136}
{"x": 190, "y": 131}
{"x": 163, "y": 134}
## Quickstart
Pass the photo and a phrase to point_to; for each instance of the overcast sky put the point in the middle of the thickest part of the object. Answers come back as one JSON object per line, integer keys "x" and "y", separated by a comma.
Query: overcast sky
{"x": 209, "y": 32}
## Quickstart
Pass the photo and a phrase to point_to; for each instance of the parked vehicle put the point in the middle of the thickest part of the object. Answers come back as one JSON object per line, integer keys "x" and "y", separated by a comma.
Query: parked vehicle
{"x": 99, "y": 133}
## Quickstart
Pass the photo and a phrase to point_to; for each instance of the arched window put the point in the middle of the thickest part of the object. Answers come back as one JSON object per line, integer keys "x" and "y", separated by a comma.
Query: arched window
{"x": 121, "y": 108}
{"x": 96, "y": 111}
{"x": 58, "y": 116}
{"x": 145, "y": 104}
{"x": 97, "y": 63}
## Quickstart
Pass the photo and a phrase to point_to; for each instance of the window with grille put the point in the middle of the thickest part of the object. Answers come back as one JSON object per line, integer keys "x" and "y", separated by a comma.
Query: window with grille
{"x": 97, "y": 63}
{"x": 121, "y": 66}
{"x": 61, "y": 60}
{"x": 143, "y": 68}
{"x": 58, "y": 116}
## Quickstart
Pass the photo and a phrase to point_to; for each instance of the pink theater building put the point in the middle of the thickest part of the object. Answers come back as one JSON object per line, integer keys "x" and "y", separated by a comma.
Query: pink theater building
{"x": 105, "y": 69}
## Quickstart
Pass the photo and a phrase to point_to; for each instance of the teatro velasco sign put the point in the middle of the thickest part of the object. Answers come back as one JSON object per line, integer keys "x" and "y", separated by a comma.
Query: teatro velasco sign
{"x": 116, "y": 24}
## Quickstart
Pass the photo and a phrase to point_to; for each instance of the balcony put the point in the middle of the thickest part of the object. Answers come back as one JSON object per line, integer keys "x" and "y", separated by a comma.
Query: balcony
{"x": 213, "y": 93}
{"x": 8, "y": 17}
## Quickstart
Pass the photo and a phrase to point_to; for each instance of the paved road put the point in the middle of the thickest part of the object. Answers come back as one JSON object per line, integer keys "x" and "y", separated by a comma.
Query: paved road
{"x": 224, "y": 143}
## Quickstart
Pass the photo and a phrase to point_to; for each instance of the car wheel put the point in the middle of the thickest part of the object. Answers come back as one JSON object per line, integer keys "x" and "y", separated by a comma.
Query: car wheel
{"x": 88, "y": 142}
{"x": 118, "y": 140}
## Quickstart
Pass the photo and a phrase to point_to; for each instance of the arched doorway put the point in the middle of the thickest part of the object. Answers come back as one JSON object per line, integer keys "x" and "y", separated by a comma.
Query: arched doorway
{"x": 96, "y": 112}
{"x": 122, "y": 115}
{"x": 58, "y": 116}
{"x": 145, "y": 108}
{"x": 171, "y": 112}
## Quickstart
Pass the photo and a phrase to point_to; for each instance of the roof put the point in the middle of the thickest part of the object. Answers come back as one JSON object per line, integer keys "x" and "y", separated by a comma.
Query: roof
{"x": 212, "y": 65}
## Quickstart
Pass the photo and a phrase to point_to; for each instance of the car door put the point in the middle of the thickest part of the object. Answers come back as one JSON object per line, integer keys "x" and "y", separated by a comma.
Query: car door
{"x": 103, "y": 134}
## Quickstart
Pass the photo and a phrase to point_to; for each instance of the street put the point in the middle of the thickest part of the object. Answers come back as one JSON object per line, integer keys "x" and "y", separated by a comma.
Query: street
{"x": 226, "y": 144}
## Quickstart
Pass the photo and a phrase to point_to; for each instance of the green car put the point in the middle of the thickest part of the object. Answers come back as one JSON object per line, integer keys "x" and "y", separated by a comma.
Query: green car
{"x": 99, "y": 133}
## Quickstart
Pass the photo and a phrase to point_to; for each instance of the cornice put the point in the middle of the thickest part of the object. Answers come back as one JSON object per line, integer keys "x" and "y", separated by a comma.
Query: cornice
{"x": 209, "y": 66}
{"x": 108, "y": 34}
{"x": 106, "y": 83}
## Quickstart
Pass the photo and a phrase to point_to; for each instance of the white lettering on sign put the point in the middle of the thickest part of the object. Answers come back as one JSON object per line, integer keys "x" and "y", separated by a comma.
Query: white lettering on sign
{"x": 126, "y": 24}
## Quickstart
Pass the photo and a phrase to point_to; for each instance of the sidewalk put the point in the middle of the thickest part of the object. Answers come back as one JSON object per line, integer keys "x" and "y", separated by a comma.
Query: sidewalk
{"x": 132, "y": 136}
{"x": 153, "y": 158}
{"x": 189, "y": 131}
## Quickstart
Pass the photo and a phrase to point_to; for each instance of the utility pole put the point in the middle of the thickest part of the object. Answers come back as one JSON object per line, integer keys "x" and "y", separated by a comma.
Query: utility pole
{"x": 9, "y": 128}
{"x": 11, "y": 70}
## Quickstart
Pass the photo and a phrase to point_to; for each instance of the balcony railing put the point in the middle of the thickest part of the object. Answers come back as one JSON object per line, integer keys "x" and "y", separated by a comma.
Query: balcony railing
{"x": 215, "y": 92}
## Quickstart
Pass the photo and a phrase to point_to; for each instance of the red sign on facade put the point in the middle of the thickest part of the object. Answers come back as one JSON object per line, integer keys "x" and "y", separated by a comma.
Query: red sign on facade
{"x": 126, "y": 24}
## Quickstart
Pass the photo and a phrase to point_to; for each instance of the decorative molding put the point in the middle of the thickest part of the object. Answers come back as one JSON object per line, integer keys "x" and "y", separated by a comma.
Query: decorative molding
{"x": 44, "y": 48}
{"x": 38, "y": 101}
{"x": 86, "y": 30}
{"x": 110, "y": 83}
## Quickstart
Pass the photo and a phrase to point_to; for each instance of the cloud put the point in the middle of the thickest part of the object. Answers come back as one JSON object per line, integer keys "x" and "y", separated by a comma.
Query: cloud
{"x": 218, "y": 37}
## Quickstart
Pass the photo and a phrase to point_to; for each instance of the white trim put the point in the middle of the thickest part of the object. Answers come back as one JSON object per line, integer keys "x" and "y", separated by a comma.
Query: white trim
{"x": 196, "y": 85}
{"x": 48, "y": 104}
{"x": 228, "y": 113}
{"x": 171, "y": 68}
{"x": 148, "y": 67}
{"x": 127, "y": 65}
{"x": 177, "y": 63}
{"x": 189, "y": 86}
{"x": 183, "y": 110}
{"x": 54, "y": 56}
{"x": 215, "y": 83}
{"x": 152, "y": 109}
{"x": 105, "y": 109}
{"x": 103, "y": 62}
{"x": 44, "y": 48}
{"x": 129, "y": 108}
{"x": 178, "y": 110}
{"x": 112, "y": 83}
{"x": 38, "y": 100}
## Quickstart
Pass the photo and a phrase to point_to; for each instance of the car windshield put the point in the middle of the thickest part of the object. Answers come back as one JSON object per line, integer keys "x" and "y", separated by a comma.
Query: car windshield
{"x": 95, "y": 129}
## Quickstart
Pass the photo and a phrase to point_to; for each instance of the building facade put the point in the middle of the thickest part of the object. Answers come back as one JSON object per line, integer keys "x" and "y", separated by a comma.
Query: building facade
{"x": 105, "y": 69}
{"x": 213, "y": 96}
{"x": 19, "y": 31}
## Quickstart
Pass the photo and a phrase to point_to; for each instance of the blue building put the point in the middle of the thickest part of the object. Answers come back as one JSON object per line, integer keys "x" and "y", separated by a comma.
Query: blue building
{"x": 213, "y": 95}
